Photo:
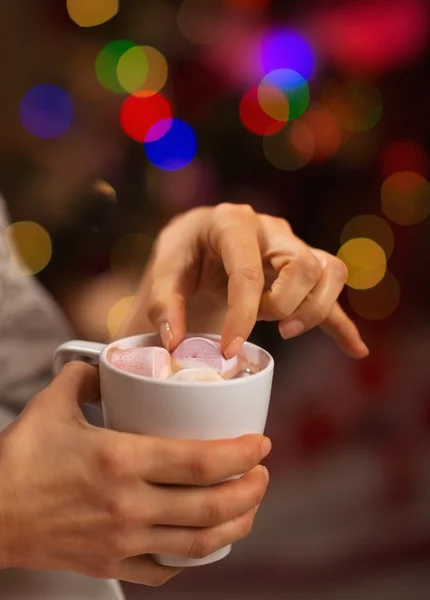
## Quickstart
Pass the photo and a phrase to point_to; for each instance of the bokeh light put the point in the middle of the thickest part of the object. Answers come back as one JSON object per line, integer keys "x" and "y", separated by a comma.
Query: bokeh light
{"x": 282, "y": 49}
{"x": 158, "y": 70}
{"x": 141, "y": 111}
{"x": 326, "y": 132}
{"x": 295, "y": 88}
{"x": 90, "y": 13}
{"x": 252, "y": 115}
{"x": 377, "y": 303}
{"x": 175, "y": 149}
{"x": 405, "y": 198}
{"x": 371, "y": 227}
{"x": 131, "y": 251}
{"x": 357, "y": 104}
{"x": 107, "y": 64}
{"x": 291, "y": 149}
{"x": 46, "y": 111}
{"x": 132, "y": 69}
{"x": 366, "y": 262}
{"x": 118, "y": 313}
{"x": 30, "y": 246}
{"x": 404, "y": 155}
{"x": 201, "y": 22}
{"x": 273, "y": 102}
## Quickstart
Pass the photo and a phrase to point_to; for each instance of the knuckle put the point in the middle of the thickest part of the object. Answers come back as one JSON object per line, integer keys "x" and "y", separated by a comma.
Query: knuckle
{"x": 339, "y": 269}
{"x": 111, "y": 463}
{"x": 200, "y": 545}
{"x": 211, "y": 512}
{"x": 316, "y": 314}
{"x": 254, "y": 275}
{"x": 201, "y": 469}
{"x": 121, "y": 514}
{"x": 309, "y": 266}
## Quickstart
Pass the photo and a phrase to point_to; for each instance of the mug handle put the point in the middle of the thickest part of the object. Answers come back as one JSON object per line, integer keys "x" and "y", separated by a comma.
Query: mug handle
{"x": 88, "y": 352}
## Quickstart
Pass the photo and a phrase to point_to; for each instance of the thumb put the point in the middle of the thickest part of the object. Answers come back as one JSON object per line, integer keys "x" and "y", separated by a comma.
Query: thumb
{"x": 76, "y": 384}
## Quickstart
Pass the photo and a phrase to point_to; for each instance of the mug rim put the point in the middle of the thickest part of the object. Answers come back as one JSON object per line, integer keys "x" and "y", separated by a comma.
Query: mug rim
{"x": 103, "y": 361}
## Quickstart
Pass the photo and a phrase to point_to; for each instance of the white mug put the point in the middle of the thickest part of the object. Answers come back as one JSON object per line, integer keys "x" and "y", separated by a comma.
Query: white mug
{"x": 177, "y": 409}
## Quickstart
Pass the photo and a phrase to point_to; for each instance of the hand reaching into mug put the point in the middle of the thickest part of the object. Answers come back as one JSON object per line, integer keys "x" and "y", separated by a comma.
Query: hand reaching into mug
{"x": 78, "y": 498}
{"x": 232, "y": 267}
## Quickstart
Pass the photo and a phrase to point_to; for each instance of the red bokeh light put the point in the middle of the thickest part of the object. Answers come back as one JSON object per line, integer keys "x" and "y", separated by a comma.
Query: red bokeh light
{"x": 254, "y": 118}
{"x": 404, "y": 156}
{"x": 141, "y": 111}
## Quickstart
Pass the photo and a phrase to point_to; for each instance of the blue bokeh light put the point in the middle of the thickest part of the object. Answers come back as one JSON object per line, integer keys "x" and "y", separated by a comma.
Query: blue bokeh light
{"x": 176, "y": 149}
{"x": 283, "y": 49}
{"x": 46, "y": 111}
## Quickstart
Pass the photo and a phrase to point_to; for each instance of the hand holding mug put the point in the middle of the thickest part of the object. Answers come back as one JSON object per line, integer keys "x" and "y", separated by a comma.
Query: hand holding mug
{"x": 98, "y": 502}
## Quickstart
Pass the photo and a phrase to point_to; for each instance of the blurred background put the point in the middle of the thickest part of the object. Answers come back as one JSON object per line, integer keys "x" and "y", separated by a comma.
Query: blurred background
{"x": 117, "y": 117}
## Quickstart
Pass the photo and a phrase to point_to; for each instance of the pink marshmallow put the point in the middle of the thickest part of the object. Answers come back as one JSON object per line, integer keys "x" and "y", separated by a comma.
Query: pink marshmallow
{"x": 201, "y": 352}
{"x": 199, "y": 374}
{"x": 149, "y": 362}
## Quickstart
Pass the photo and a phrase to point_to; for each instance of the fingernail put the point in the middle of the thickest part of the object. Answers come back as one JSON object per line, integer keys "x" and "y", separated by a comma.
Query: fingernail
{"x": 291, "y": 329}
{"x": 256, "y": 508}
{"x": 266, "y": 447}
{"x": 365, "y": 348}
{"x": 266, "y": 474}
{"x": 166, "y": 335}
{"x": 233, "y": 348}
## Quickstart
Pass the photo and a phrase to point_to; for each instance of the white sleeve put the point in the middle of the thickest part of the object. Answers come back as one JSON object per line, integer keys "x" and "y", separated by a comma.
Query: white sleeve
{"x": 31, "y": 327}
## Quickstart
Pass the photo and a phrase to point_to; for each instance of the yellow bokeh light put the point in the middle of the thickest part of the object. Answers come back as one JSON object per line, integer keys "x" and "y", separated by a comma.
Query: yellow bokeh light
{"x": 290, "y": 149}
{"x": 132, "y": 69}
{"x": 377, "y": 303}
{"x": 118, "y": 313}
{"x": 366, "y": 263}
{"x": 405, "y": 198}
{"x": 158, "y": 70}
{"x": 372, "y": 227}
{"x": 90, "y": 13}
{"x": 273, "y": 102}
{"x": 30, "y": 246}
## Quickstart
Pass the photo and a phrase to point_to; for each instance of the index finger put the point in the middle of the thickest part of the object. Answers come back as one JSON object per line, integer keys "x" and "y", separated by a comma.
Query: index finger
{"x": 194, "y": 462}
{"x": 235, "y": 238}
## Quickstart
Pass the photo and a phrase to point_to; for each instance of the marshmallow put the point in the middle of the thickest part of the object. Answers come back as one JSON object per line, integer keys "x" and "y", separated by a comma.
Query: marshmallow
{"x": 149, "y": 362}
{"x": 201, "y": 352}
{"x": 199, "y": 374}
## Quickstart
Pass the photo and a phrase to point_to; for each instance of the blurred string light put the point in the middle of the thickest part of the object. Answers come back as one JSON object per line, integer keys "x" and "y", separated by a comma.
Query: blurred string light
{"x": 366, "y": 262}
{"x": 90, "y": 13}
{"x": 326, "y": 132}
{"x": 283, "y": 49}
{"x": 377, "y": 303}
{"x": 404, "y": 155}
{"x": 201, "y": 22}
{"x": 357, "y": 104}
{"x": 132, "y": 250}
{"x": 252, "y": 115}
{"x": 142, "y": 68}
{"x": 103, "y": 188}
{"x": 291, "y": 149}
{"x": 405, "y": 198}
{"x": 30, "y": 246}
{"x": 293, "y": 86}
{"x": 170, "y": 144}
{"x": 46, "y": 111}
{"x": 107, "y": 64}
{"x": 118, "y": 313}
{"x": 141, "y": 111}
{"x": 371, "y": 227}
